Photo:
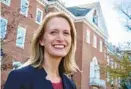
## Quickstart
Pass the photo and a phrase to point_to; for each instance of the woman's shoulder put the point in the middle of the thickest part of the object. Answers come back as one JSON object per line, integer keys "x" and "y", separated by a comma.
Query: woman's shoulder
{"x": 20, "y": 77}
{"x": 28, "y": 69}
{"x": 23, "y": 71}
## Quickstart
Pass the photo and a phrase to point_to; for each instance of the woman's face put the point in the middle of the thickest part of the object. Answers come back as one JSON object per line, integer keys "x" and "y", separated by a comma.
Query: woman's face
{"x": 57, "y": 37}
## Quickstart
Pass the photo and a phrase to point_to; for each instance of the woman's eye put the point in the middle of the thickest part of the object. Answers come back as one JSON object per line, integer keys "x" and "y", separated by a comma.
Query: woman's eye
{"x": 53, "y": 32}
{"x": 66, "y": 33}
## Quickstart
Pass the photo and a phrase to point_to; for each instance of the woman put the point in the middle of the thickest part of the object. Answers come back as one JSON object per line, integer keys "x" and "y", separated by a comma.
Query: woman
{"x": 53, "y": 51}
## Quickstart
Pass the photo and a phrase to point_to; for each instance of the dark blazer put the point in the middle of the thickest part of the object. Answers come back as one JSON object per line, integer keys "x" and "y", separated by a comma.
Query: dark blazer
{"x": 33, "y": 78}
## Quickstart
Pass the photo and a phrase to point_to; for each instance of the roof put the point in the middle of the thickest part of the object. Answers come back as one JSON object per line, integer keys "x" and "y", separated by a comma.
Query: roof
{"x": 82, "y": 10}
{"x": 78, "y": 11}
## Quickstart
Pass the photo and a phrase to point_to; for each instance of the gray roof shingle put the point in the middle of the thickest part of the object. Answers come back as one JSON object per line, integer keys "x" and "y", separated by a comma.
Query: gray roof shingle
{"x": 77, "y": 11}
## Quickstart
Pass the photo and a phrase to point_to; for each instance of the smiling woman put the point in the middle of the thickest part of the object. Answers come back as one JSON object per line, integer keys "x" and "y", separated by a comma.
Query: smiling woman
{"x": 57, "y": 38}
{"x": 52, "y": 56}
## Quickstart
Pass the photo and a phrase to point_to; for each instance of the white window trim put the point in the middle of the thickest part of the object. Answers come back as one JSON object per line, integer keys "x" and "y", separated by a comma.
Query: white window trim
{"x": 88, "y": 36}
{"x": 94, "y": 41}
{"x": 3, "y": 1}
{"x": 101, "y": 46}
{"x": 37, "y": 10}
{"x": 26, "y": 13}
{"x": 5, "y": 26}
{"x": 23, "y": 41}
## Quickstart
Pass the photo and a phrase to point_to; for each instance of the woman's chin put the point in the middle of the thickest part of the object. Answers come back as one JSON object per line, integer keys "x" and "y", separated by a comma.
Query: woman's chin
{"x": 60, "y": 54}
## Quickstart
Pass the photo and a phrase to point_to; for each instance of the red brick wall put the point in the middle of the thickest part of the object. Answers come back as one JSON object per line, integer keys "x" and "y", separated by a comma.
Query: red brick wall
{"x": 77, "y": 76}
{"x": 85, "y": 53}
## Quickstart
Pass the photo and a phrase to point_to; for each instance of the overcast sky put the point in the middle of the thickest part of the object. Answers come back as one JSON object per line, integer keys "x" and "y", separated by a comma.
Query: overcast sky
{"x": 117, "y": 32}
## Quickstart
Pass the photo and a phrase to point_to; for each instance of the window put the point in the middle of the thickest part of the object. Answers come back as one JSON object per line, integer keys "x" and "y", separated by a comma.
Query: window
{"x": 88, "y": 36}
{"x": 6, "y": 2}
{"x": 111, "y": 63}
{"x": 101, "y": 46}
{"x": 95, "y": 17}
{"x": 39, "y": 15}
{"x": 3, "y": 27}
{"x": 119, "y": 80}
{"x": 94, "y": 69}
{"x": 115, "y": 64}
{"x": 16, "y": 64}
{"x": 94, "y": 42}
{"x": 24, "y": 7}
{"x": 108, "y": 77}
{"x": 20, "y": 37}
{"x": 108, "y": 60}
{"x": 94, "y": 72}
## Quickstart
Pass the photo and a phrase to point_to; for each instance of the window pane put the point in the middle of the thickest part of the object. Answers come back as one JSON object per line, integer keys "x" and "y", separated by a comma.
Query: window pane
{"x": 24, "y": 7}
{"x": 16, "y": 64}
{"x": 101, "y": 46}
{"x": 6, "y": 2}
{"x": 39, "y": 15}
{"x": 92, "y": 70}
{"x": 94, "y": 42}
{"x": 95, "y": 17}
{"x": 88, "y": 36}
{"x": 20, "y": 37}
{"x": 3, "y": 26}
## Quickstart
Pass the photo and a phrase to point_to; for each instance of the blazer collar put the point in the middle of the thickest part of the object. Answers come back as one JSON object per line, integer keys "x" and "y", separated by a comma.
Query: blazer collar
{"x": 65, "y": 80}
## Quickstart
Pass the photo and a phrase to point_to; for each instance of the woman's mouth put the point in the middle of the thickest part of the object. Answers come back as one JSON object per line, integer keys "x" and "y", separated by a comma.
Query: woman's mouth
{"x": 59, "y": 46}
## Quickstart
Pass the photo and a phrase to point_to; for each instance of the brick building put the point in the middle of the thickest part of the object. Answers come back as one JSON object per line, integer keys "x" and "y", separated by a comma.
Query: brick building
{"x": 21, "y": 18}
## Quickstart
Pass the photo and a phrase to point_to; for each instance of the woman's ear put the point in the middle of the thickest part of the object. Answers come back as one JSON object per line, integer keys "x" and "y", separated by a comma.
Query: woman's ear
{"x": 41, "y": 41}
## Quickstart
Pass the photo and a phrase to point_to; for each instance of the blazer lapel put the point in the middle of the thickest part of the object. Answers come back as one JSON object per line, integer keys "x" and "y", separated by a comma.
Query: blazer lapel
{"x": 66, "y": 84}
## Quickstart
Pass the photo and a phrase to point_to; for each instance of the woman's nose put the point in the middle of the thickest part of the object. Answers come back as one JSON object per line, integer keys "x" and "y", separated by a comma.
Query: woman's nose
{"x": 60, "y": 38}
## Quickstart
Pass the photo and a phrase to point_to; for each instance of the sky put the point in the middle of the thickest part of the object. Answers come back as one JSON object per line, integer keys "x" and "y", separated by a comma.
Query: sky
{"x": 117, "y": 33}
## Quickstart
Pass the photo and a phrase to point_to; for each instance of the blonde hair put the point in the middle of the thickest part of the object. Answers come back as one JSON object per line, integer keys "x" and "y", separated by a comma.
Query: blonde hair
{"x": 67, "y": 64}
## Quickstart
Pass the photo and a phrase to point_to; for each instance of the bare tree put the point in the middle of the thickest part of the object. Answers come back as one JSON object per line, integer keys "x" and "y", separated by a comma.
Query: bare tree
{"x": 15, "y": 18}
{"x": 124, "y": 8}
